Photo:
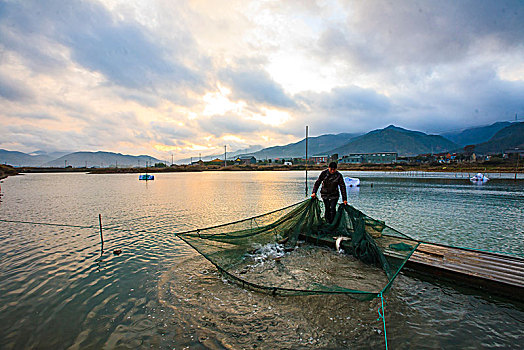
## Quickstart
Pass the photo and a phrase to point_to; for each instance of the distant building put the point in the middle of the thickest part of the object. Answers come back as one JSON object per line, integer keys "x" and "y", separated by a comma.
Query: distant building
{"x": 246, "y": 160}
{"x": 352, "y": 159}
{"x": 319, "y": 159}
{"x": 215, "y": 161}
{"x": 370, "y": 158}
{"x": 514, "y": 152}
{"x": 443, "y": 157}
{"x": 288, "y": 163}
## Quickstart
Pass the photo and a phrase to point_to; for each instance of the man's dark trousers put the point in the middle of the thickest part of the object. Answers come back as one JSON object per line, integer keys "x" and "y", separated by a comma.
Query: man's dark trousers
{"x": 330, "y": 205}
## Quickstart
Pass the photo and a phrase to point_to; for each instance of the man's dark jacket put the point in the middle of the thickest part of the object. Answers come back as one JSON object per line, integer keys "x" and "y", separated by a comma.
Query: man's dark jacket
{"x": 330, "y": 185}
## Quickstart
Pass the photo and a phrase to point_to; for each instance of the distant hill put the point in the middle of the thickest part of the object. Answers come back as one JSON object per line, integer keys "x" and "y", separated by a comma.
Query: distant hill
{"x": 510, "y": 137}
{"x": 101, "y": 159}
{"x": 317, "y": 145}
{"x": 51, "y": 155}
{"x": 395, "y": 139}
{"x": 475, "y": 135}
{"x": 76, "y": 159}
{"x": 15, "y": 158}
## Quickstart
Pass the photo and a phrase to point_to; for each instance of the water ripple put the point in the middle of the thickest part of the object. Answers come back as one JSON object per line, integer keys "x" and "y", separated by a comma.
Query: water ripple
{"x": 58, "y": 289}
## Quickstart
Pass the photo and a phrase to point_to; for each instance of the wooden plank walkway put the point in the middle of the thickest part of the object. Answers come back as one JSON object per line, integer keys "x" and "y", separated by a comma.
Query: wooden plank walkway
{"x": 491, "y": 271}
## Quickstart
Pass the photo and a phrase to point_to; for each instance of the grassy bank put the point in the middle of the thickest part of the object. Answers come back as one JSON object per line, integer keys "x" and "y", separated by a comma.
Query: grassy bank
{"x": 7, "y": 170}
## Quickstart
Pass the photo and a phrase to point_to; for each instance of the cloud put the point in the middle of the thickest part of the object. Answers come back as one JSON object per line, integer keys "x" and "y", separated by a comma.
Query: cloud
{"x": 220, "y": 125}
{"x": 255, "y": 86}
{"x": 344, "y": 109}
{"x": 475, "y": 96}
{"x": 106, "y": 131}
{"x": 30, "y": 138}
{"x": 124, "y": 52}
{"x": 382, "y": 34}
{"x": 37, "y": 117}
{"x": 13, "y": 90}
{"x": 169, "y": 132}
{"x": 348, "y": 100}
{"x": 25, "y": 32}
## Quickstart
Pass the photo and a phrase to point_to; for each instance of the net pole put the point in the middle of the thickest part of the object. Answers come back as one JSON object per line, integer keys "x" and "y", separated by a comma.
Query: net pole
{"x": 306, "y": 158}
{"x": 518, "y": 156}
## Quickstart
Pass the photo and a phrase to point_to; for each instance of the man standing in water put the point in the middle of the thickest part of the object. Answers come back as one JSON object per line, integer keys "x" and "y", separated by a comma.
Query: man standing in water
{"x": 331, "y": 180}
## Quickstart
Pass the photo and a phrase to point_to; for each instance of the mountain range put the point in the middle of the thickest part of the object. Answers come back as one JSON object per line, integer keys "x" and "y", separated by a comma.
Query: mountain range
{"x": 495, "y": 138}
{"x": 509, "y": 137}
{"x": 316, "y": 145}
{"x": 394, "y": 139}
{"x": 475, "y": 135}
{"x": 75, "y": 159}
{"x": 37, "y": 158}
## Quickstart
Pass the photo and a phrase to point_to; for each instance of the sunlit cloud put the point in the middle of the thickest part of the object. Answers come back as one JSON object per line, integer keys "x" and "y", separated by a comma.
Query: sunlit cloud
{"x": 218, "y": 103}
{"x": 233, "y": 138}
{"x": 271, "y": 117}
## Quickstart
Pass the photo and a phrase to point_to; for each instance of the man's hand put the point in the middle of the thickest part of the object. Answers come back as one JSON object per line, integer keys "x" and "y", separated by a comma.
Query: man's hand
{"x": 313, "y": 195}
{"x": 345, "y": 202}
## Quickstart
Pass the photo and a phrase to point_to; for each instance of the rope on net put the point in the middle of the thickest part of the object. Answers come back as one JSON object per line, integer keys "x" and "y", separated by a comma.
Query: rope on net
{"x": 70, "y": 225}
{"x": 382, "y": 315}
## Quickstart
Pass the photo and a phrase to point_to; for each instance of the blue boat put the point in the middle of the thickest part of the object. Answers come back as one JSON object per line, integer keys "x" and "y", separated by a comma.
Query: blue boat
{"x": 146, "y": 177}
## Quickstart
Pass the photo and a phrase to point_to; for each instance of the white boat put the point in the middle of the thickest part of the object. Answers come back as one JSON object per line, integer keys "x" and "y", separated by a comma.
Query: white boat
{"x": 352, "y": 181}
{"x": 479, "y": 178}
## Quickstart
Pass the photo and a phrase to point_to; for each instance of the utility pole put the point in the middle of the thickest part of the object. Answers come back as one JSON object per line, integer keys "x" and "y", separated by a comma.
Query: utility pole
{"x": 225, "y": 156}
{"x": 172, "y": 159}
{"x": 307, "y": 127}
{"x": 65, "y": 163}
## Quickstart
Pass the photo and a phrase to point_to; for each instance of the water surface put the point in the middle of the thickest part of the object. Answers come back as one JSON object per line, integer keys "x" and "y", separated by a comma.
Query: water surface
{"x": 58, "y": 291}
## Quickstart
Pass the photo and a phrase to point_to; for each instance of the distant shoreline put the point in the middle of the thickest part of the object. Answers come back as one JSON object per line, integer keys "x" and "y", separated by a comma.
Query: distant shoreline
{"x": 452, "y": 168}
{"x": 7, "y": 170}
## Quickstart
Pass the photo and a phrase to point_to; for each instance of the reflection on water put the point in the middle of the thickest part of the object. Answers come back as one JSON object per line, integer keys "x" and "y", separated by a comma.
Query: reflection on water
{"x": 56, "y": 291}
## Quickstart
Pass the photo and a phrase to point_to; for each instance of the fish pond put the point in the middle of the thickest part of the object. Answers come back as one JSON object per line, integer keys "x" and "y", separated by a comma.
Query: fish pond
{"x": 60, "y": 290}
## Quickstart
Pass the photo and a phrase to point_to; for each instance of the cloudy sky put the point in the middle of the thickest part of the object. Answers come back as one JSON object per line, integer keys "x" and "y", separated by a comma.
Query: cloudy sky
{"x": 187, "y": 77}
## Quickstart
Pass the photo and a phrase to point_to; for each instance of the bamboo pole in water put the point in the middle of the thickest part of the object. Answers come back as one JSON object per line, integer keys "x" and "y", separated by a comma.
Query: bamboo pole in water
{"x": 100, "y": 223}
{"x": 517, "y": 167}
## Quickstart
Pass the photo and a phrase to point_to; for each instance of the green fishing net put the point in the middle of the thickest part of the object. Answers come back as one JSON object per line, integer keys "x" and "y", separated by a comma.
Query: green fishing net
{"x": 294, "y": 251}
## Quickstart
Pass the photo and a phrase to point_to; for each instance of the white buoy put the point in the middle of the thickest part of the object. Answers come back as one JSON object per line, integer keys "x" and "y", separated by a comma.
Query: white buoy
{"x": 479, "y": 178}
{"x": 352, "y": 181}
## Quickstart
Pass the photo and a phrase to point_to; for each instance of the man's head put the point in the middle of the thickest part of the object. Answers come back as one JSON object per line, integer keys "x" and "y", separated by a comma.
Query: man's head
{"x": 332, "y": 167}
